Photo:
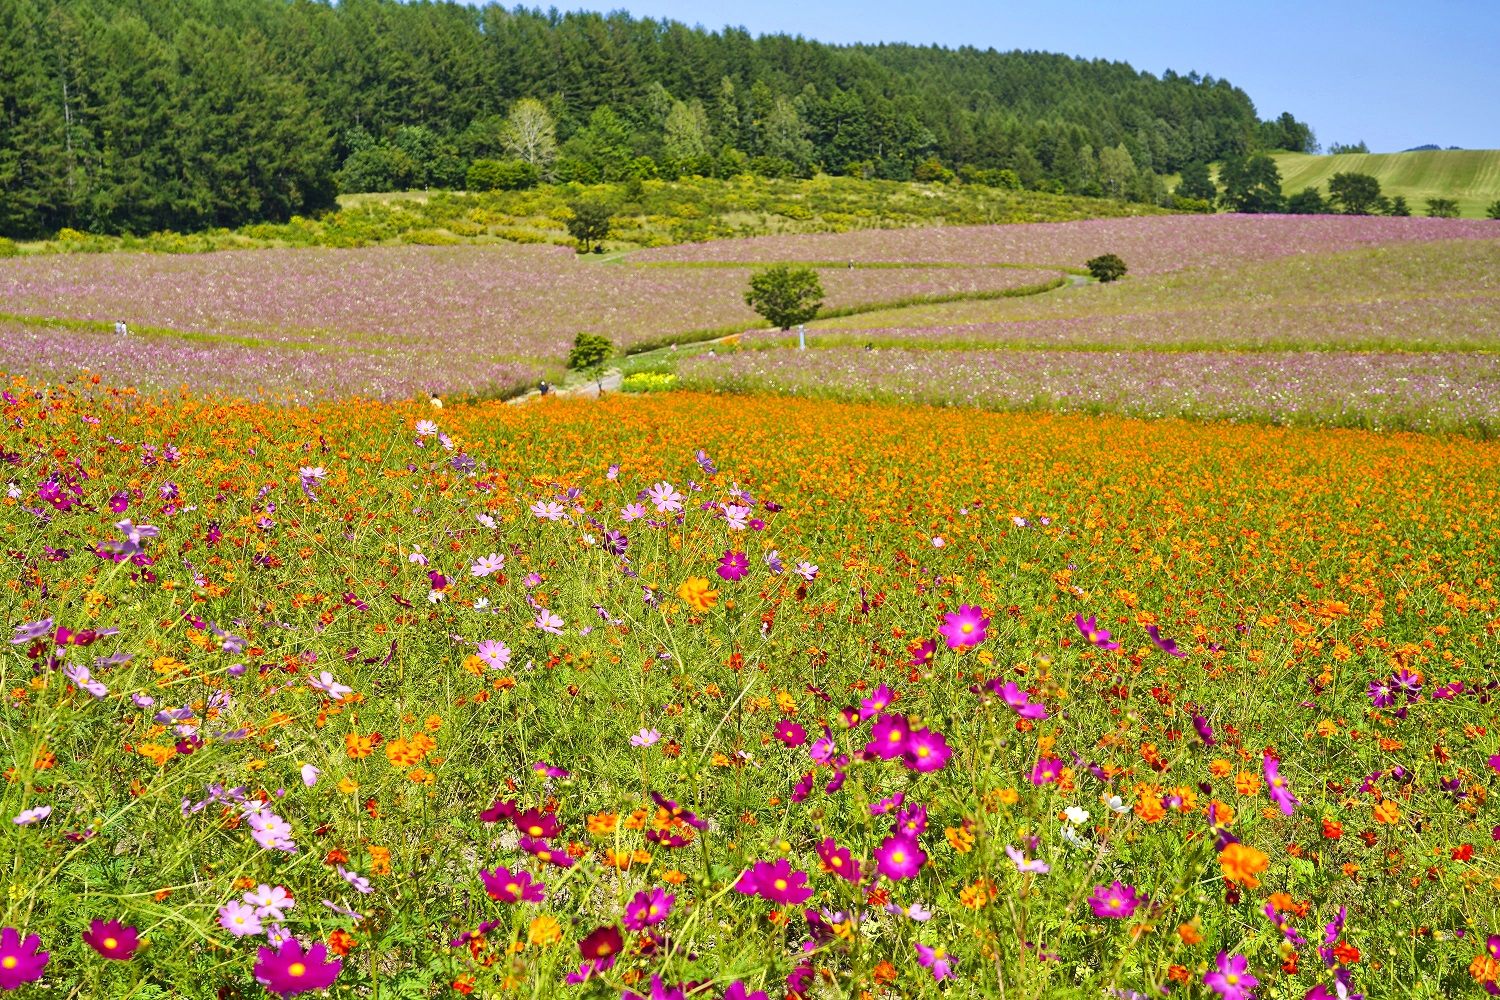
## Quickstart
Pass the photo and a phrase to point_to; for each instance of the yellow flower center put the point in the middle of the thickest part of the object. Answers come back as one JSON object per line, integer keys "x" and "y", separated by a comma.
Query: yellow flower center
{"x": 1231, "y": 979}
{"x": 966, "y": 627}
{"x": 110, "y": 944}
{"x": 896, "y": 736}
{"x": 780, "y": 884}
{"x": 1114, "y": 904}
{"x": 9, "y": 962}
{"x": 898, "y": 856}
{"x": 838, "y": 862}
{"x": 923, "y": 751}
{"x": 512, "y": 887}
{"x": 296, "y": 969}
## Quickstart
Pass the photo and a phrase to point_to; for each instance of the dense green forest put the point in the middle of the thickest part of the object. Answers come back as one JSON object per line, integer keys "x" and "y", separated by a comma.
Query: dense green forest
{"x": 132, "y": 116}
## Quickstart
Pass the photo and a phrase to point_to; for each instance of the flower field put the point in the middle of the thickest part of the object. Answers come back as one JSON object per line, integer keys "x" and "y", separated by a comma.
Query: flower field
{"x": 1151, "y": 245}
{"x": 710, "y": 696}
{"x": 1433, "y": 391}
{"x": 386, "y": 322}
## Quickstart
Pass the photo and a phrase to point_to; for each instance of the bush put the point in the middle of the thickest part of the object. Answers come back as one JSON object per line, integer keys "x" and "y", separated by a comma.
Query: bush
{"x": 8, "y": 247}
{"x": 648, "y": 382}
{"x": 1494, "y": 210}
{"x": 1442, "y": 208}
{"x": 1182, "y": 204}
{"x": 1398, "y": 207}
{"x": 1106, "y": 267}
{"x": 785, "y": 294}
{"x": 377, "y": 168}
{"x": 501, "y": 175}
{"x": 1308, "y": 201}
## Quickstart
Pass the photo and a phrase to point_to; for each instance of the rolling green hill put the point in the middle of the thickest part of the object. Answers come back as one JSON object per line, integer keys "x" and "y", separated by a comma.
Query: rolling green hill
{"x": 1470, "y": 175}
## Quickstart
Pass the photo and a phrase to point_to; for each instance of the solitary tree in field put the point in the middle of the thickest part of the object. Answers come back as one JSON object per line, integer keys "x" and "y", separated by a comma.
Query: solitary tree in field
{"x": 1106, "y": 267}
{"x": 785, "y": 295}
{"x": 1398, "y": 207}
{"x": 1442, "y": 208}
{"x": 1494, "y": 210}
{"x": 1355, "y": 194}
{"x": 589, "y": 224}
{"x": 589, "y": 354}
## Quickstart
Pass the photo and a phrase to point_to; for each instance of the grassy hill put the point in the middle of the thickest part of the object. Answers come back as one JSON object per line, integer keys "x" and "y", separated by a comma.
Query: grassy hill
{"x": 1470, "y": 175}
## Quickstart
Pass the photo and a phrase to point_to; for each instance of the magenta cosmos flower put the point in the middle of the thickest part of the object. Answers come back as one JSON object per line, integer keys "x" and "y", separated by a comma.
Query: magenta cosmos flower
{"x": 936, "y": 959}
{"x": 926, "y": 751}
{"x": 1230, "y": 980}
{"x": 838, "y": 861}
{"x": 112, "y": 939}
{"x": 1093, "y": 633}
{"x": 790, "y": 733}
{"x": 965, "y": 627}
{"x": 733, "y": 565}
{"x": 774, "y": 881}
{"x": 648, "y": 908}
{"x": 20, "y": 961}
{"x": 888, "y": 737}
{"x": 899, "y": 857}
{"x": 1276, "y": 786}
{"x": 289, "y": 970}
{"x": 512, "y": 887}
{"x": 1168, "y": 646}
{"x": 1114, "y": 901}
{"x": 1046, "y": 771}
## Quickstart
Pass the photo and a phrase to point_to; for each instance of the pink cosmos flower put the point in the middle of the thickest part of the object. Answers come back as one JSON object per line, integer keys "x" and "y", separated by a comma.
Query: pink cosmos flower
{"x": 733, "y": 566}
{"x": 1168, "y": 646}
{"x": 20, "y": 961}
{"x": 548, "y": 622}
{"x": 876, "y": 703}
{"x": 899, "y": 857}
{"x": 775, "y": 882}
{"x": 111, "y": 939}
{"x": 289, "y": 970}
{"x": 926, "y": 751}
{"x": 666, "y": 499}
{"x": 648, "y": 908}
{"x": 1276, "y": 786}
{"x": 965, "y": 627}
{"x": 1115, "y": 901}
{"x": 1093, "y": 633}
{"x": 512, "y": 887}
{"x": 1046, "y": 771}
{"x": 937, "y": 960}
{"x": 485, "y": 565}
{"x": 790, "y": 733}
{"x": 838, "y": 861}
{"x": 888, "y": 737}
{"x": 239, "y": 918}
{"x": 1229, "y": 979}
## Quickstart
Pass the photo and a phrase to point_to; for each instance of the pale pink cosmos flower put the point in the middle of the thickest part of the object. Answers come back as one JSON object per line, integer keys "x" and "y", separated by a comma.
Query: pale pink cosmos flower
{"x": 549, "y": 510}
{"x": 548, "y": 622}
{"x": 485, "y": 565}
{"x": 666, "y": 499}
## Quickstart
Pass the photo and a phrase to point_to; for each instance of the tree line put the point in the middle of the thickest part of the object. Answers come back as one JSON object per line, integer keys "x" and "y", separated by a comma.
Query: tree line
{"x": 142, "y": 115}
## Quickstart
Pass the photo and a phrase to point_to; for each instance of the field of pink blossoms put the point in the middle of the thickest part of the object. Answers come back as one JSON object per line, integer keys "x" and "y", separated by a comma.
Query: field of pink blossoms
{"x": 387, "y": 322}
{"x": 1149, "y": 244}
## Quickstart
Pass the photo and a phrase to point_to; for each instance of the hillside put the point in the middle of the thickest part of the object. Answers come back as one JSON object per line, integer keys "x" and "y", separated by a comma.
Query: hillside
{"x": 1472, "y": 176}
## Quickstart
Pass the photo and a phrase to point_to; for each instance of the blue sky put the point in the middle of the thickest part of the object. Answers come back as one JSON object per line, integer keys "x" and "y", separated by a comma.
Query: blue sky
{"x": 1393, "y": 74}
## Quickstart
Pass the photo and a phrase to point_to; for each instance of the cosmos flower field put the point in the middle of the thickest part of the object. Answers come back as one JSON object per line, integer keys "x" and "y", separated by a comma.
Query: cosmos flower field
{"x": 733, "y": 696}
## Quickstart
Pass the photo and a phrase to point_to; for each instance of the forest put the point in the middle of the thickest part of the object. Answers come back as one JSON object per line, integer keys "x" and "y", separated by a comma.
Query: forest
{"x": 136, "y": 116}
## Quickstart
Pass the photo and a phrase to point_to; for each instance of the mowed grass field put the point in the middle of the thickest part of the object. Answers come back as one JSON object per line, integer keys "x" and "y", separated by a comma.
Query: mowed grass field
{"x": 1470, "y": 176}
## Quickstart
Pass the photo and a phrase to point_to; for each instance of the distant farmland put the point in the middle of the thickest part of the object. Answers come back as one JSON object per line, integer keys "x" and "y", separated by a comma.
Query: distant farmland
{"x": 1471, "y": 176}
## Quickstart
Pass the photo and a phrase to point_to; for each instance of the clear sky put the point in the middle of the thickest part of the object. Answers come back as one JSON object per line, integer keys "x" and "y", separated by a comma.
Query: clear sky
{"x": 1393, "y": 74}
